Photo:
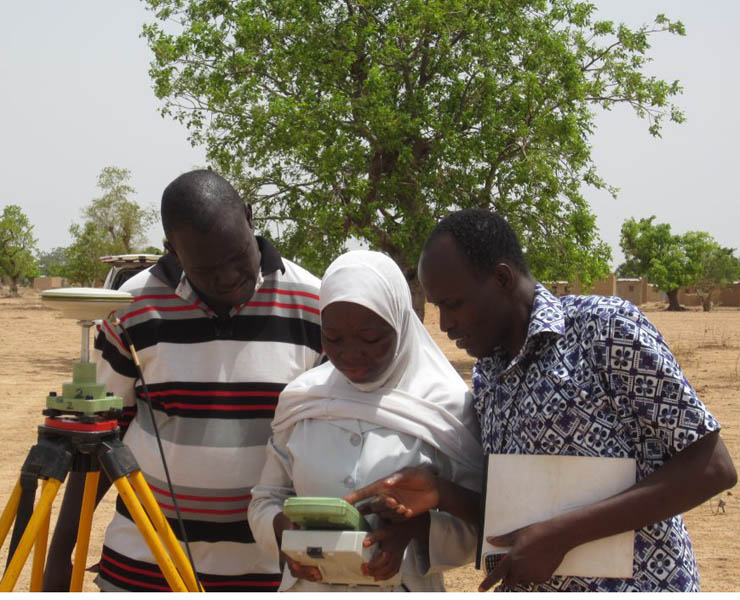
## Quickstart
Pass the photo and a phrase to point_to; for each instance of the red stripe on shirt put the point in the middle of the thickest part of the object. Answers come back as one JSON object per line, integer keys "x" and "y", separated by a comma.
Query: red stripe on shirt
{"x": 150, "y": 573}
{"x": 214, "y": 393}
{"x": 115, "y": 337}
{"x": 283, "y": 305}
{"x": 205, "y": 511}
{"x": 159, "y": 308}
{"x": 156, "y": 297}
{"x": 203, "y": 498}
{"x": 184, "y": 405}
{"x": 151, "y": 586}
{"x": 287, "y": 293}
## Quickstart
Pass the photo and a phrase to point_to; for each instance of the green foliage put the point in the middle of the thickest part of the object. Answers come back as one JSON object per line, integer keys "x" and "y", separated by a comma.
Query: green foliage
{"x": 83, "y": 256}
{"x": 121, "y": 220}
{"x": 716, "y": 267}
{"x": 672, "y": 261}
{"x": 17, "y": 247}
{"x": 371, "y": 119}
{"x": 150, "y": 250}
{"x": 113, "y": 224}
{"x": 653, "y": 251}
{"x": 53, "y": 263}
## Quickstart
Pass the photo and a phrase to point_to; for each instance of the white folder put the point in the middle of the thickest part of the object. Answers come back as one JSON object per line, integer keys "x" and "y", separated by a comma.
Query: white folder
{"x": 524, "y": 489}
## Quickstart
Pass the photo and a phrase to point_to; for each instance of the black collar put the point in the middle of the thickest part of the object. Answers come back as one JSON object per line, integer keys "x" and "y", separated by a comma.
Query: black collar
{"x": 168, "y": 268}
{"x": 271, "y": 260}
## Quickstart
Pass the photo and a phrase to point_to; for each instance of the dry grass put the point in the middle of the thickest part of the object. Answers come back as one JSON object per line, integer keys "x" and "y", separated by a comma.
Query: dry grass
{"x": 38, "y": 348}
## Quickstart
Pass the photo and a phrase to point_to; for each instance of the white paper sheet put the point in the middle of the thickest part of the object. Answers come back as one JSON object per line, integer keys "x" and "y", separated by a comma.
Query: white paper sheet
{"x": 523, "y": 489}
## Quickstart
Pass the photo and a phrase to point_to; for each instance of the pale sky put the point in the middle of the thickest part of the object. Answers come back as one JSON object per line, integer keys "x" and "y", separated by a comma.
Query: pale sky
{"x": 76, "y": 97}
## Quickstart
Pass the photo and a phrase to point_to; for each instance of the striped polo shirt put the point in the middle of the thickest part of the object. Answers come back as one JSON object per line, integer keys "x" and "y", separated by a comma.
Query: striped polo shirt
{"x": 214, "y": 384}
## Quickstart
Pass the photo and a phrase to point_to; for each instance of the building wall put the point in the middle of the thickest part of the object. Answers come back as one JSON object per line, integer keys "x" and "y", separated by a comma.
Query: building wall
{"x": 730, "y": 296}
{"x": 605, "y": 287}
{"x": 630, "y": 289}
{"x": 652, "y": 294}
{"x": 640, "y": 291}
{"x": 47, "y": 283}
{"x": 688, "y": 297}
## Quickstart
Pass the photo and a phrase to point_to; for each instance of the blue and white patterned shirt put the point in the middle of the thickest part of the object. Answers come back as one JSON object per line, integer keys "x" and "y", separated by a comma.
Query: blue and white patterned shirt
{"x": 595, "y": 378}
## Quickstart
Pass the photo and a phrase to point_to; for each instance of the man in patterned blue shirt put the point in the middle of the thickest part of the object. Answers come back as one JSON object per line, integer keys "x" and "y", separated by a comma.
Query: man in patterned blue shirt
{"x": 579, "y": 376}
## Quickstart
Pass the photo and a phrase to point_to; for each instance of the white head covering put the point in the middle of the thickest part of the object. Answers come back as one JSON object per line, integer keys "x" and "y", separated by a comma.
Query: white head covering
{"x": 420, "y": 393}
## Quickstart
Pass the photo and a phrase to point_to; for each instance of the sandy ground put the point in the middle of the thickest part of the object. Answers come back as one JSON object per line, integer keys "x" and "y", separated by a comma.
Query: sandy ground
{"x": 37, "y": 348}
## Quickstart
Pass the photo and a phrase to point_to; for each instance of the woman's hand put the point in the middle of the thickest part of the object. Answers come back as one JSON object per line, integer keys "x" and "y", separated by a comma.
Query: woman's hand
{"x": 392, "y": 540}
{"x": 299, "y": 571}
{"x": 280, "y": 524}
{"x": 407, "y": 493}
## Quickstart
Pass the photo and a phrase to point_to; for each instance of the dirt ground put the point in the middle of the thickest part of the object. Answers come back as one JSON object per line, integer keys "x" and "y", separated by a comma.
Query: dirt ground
{"x": 37, "y": 348}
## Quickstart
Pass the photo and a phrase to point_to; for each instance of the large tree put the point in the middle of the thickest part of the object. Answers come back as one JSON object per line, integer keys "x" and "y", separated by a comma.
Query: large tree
{"x": 17, "y": 247}
{"x": 371, "y": 119}
{"x": 122, "y": 221}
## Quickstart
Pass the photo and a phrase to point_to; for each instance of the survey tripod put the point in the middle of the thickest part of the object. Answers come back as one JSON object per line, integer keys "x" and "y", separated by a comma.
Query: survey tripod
{"x": 80, "y": 433}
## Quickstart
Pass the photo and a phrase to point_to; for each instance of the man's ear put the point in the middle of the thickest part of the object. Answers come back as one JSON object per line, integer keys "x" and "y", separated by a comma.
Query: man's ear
{"x": 248, "y": 214}
{"x": 504, "y": 276}
{"x": 169, "y": 249}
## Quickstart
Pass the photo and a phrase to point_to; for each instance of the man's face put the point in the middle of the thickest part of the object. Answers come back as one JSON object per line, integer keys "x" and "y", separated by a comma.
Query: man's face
{"x": 474, "y": 307}
{"x": 222, "y": 264}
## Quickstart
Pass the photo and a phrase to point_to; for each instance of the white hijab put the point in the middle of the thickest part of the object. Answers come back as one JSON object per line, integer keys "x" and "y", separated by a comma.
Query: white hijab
{"x": 420, "y": 393}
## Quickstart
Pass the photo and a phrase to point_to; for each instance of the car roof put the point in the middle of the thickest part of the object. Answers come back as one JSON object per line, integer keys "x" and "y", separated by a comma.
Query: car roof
{"x": 125, "y": 259}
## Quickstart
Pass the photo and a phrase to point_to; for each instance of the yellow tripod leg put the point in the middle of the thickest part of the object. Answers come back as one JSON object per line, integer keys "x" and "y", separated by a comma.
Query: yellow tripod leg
{"x": 165, "y": 531}
{"x": 150, "y": 536}
{"x": 39, "y": 551}
{"x": 83, "y": 530}
{"x": 9, "y": 512}
{"x": 39, "y": 516}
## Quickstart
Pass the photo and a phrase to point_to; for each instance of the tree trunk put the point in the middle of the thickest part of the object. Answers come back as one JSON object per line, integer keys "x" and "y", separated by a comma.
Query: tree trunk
{"x": 417, "y": 297}
{"x": 673, "y": 301}
{"x": 14, "y": 287}
{"x": 706, "y": 303}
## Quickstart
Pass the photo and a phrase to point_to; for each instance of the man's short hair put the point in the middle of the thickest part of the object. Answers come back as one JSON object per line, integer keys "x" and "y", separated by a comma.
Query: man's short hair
{"x": 484, "y": 237}
{"x": 201, "y": 199}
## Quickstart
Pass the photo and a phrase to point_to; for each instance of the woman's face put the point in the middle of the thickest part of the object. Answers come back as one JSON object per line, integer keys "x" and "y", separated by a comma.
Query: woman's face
{"x": 357, "y": 341}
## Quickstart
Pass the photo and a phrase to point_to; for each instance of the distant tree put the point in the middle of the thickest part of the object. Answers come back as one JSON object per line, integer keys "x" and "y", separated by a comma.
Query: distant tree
{"x": 53, "y": 262}
{"x": 672, "y": 261}
{"x": 83, "y": 255}
{"x": 369, "y": 120}
{"x": 717, "y": 267}
{"x": 17, "y": 247}
{"x": 653, "y": 251}
{"x": 113, "y": 224}
{"x": 151, "y": 250}
{"x": 121, "y": 220}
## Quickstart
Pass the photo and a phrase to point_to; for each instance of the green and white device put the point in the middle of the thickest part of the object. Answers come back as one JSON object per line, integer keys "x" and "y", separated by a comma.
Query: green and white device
{"x": 331, "y": 539}
{"x": 324, "y": 514}
{"x": 83, "y": 396}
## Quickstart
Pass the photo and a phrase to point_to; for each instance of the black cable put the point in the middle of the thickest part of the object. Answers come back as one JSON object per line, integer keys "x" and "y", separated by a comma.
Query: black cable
{"x": 148, "y": 400}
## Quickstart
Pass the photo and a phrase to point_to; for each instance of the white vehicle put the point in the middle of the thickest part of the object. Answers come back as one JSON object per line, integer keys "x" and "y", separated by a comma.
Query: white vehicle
{"x": 125, "y": 266}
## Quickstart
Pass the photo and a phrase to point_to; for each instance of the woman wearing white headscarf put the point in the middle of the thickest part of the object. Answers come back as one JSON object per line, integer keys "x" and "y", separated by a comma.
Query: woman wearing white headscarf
{"x": 388, "y": 398}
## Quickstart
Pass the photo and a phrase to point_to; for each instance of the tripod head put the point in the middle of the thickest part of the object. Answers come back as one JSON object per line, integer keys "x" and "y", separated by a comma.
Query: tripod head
{"x": 83, "y": 397}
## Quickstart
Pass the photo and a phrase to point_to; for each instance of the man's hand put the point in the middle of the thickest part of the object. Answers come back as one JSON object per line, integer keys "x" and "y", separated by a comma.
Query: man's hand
{"x": 392, "y": 540}
{"x": 536, "y": 551}
{"x": 280, "y": 524}
{"x": 407, "y": 493}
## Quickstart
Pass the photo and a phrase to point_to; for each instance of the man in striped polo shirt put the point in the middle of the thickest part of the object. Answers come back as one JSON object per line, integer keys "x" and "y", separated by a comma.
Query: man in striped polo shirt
{"x": 220, "y": 324}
